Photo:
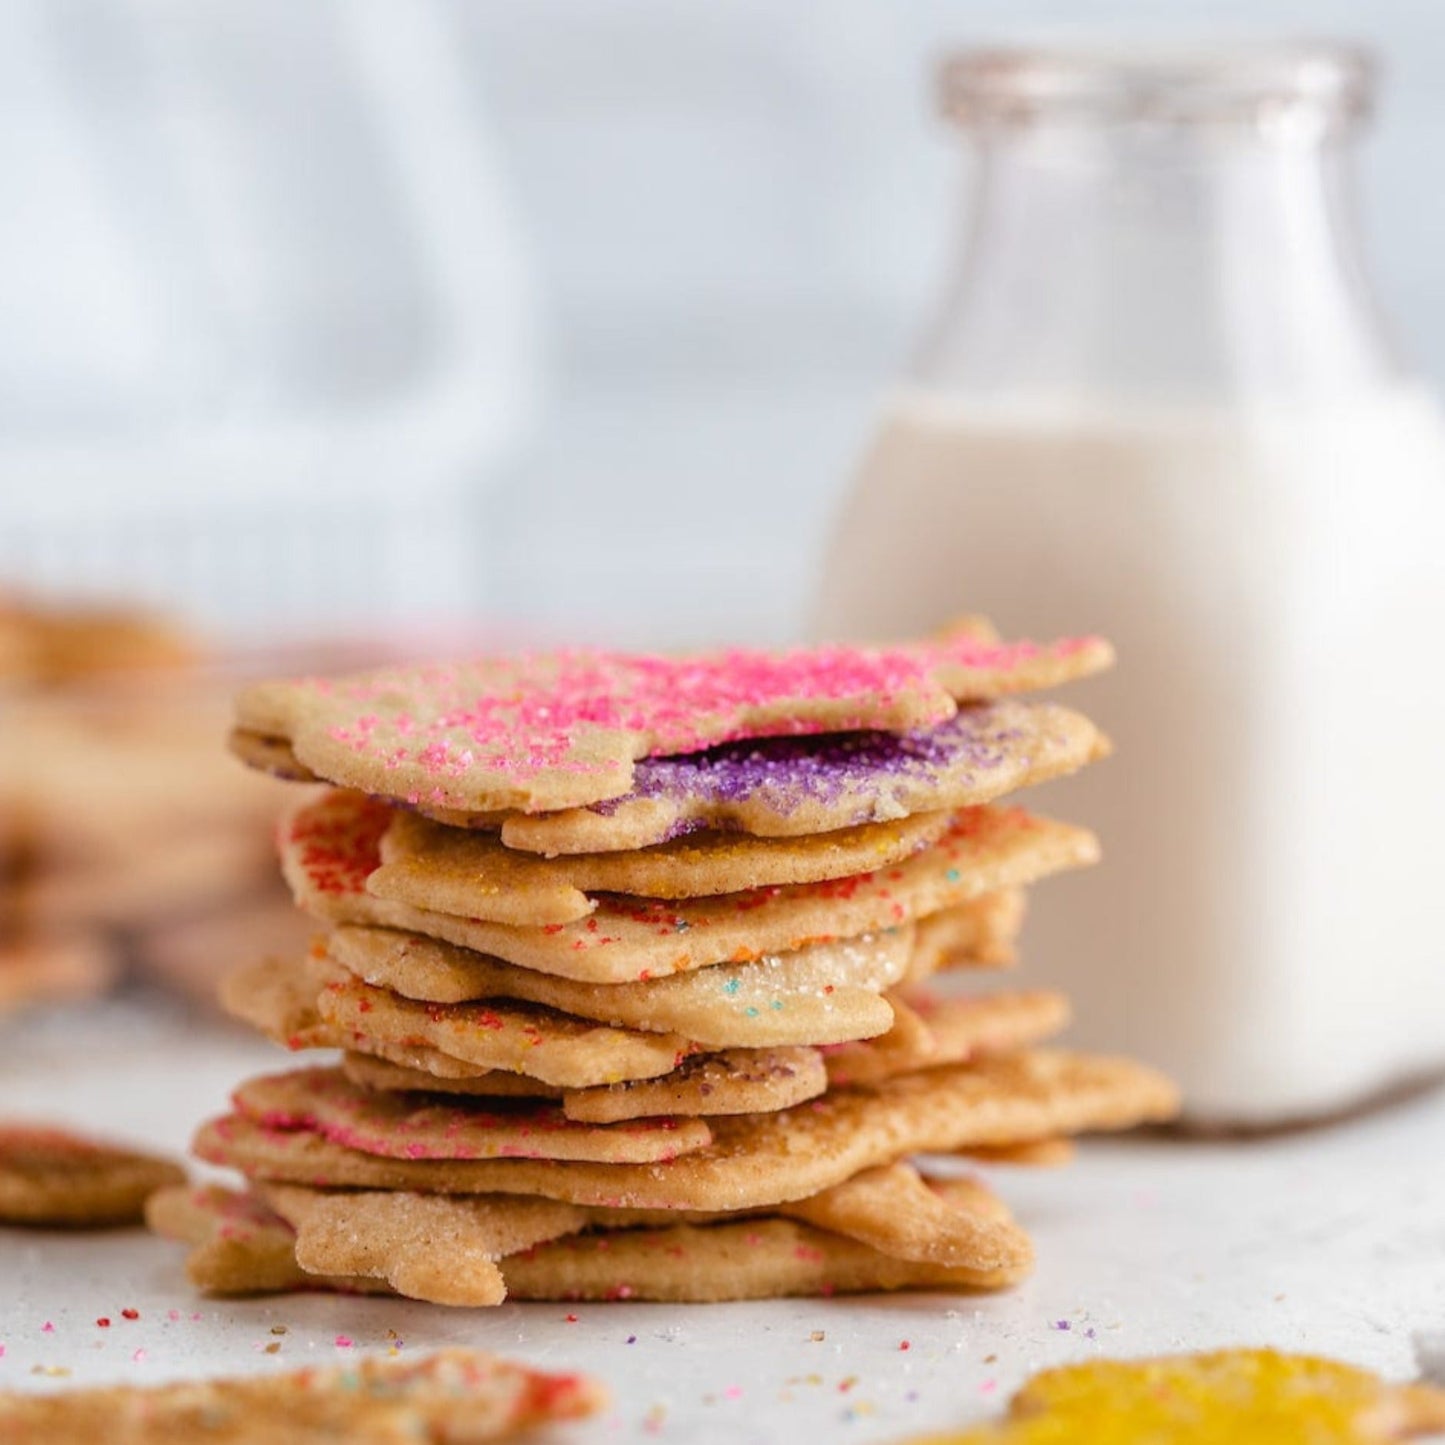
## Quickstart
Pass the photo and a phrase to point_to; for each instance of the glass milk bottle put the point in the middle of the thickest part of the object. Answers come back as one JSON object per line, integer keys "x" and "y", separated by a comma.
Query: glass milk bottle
{"x": 1159, "y": 403}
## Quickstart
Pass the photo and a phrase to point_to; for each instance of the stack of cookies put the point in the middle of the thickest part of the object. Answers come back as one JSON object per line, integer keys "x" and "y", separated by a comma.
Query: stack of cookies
{"x": 634, "y": 964}
{"x": 127, "y": 845}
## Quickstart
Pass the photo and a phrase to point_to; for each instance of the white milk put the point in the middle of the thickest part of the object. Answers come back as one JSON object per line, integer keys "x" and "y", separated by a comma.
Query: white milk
{"x": 1269, "y": 921}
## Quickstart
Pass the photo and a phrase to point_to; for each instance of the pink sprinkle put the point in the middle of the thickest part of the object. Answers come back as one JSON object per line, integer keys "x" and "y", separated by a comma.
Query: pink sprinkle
{"x": 343, "y": 1342}
{"x": 195, "y": 1318}
{"x": 905, "y": 1344}
{"x": 521, "y": 716}
{"x": 47, "y": 1328}
{"x": 988, "y": 1387}
{"x": 139, "y": 1357}
{"x": 2, "y": 1352}
{"x": 733, "y": 1392}
{"x": 173, "y": 1315}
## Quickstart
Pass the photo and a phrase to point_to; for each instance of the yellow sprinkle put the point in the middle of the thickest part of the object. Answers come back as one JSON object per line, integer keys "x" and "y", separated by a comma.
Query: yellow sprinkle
{"x": 1245, "y": 1397}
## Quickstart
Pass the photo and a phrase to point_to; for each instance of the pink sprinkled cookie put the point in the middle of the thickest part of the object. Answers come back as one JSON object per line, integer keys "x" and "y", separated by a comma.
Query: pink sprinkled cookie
{"x": 56, "y": 1178}
{"x": 564, "y": 729}
{"x": 397, "y": 1126}
{"x": 755, "y": 1160}
{"x": 452, "y": 1397}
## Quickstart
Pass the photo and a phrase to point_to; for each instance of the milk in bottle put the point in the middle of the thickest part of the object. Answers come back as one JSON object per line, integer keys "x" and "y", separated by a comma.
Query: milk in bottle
{"x": 1160, "y": 406}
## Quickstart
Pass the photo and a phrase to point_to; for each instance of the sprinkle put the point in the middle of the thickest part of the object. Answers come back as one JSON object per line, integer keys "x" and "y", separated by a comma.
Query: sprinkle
{"x": 278, "y": 1329}
{"x": 343, "y": 1342}
{"x": 139, "y": 1357}
{"x": 130, "y": 1314}
{"x": 988, "y": 1387}
{"x": 632, "y": 1339}
{"x": 274, "y": 1348}
{"x": 818, "y": 1336}
{"x": 47, "y": 1328}
{"x": 57, "y": 1372}
{"x": 173, "y": 1315}
{"x": 905, "y": 1344}
{"x": 103, "y": 1323}
{"x": 733, "y": 1392}
{"x": 1061, "y": 1325}
{"x": 525, "y": 716}
{"x": 569, "y": 1319}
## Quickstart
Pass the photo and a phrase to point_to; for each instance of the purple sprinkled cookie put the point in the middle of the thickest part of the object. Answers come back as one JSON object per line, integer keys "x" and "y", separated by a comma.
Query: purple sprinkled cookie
{"x": 786, "y": 787}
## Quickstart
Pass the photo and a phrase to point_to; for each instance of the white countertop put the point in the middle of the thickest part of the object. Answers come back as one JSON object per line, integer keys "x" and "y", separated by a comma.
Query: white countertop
{"x": 1330, "y": 1241}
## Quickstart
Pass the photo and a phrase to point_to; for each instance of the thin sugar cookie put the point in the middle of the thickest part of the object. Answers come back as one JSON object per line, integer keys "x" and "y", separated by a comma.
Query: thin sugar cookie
{"x": 278, "y": 998}
{"x": 454, "y": 1397}
{"x": 894, "y": 1231}
{"x": 982, "y": 933}
{"x": 239, "y": 1244}
{"x": 330, "y": 846}
{"x": 759, "y": 1159}
{"x": 791, "y": 787}
{"x": 738, "y": 1081}
{"x": 393, "y": 1126}
{"x": 52, "y": 1177}
{"x": 929, "y": 1031}
{"x": 425, "y": 1246}
{"x": 560, "y": 730}
{"x": 1244, "y": 1396}
{"x": 472, "y": 874}
{"x": 828, "y": 993}
{"x": 556, "y": 1048}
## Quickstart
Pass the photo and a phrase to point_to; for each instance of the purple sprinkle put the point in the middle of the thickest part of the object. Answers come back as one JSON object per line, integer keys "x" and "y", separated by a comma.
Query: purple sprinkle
{"x": 1061, "y": 1324}
{"x": 866, "y": 768}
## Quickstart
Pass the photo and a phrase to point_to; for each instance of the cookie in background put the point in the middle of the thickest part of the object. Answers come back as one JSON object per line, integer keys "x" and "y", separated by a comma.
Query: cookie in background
{"x": 126, "y": 843}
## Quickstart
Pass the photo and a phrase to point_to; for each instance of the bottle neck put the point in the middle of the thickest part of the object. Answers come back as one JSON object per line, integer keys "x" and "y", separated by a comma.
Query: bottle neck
{"x": 1159, "y": 265}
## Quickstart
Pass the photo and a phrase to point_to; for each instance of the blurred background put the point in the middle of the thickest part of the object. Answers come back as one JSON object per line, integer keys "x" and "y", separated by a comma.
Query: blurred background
{"x": 363, "y": 314}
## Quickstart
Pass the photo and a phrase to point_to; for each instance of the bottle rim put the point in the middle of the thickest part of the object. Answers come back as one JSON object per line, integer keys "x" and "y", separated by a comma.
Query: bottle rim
{"x": 1249, "y": 81}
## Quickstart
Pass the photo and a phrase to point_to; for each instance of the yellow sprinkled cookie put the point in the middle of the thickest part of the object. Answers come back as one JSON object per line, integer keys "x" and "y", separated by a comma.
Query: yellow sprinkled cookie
{"x": 1243, "y": 1397}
